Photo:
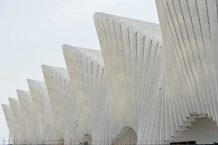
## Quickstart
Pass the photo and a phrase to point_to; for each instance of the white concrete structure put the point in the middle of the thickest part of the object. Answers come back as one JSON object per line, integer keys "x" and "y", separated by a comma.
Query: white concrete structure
{"x": 25, "y": 102}
{"x": 190, "y": 31}
{"x": 42, "y": 118}
{"x": 18, "y": 119}
{"x": 140, "y": 89}
{"x": 88, "y": 79}
{"x": 132, "y": 52}
{"x": 10, "y": 121}
{"x": 60, "y": 95}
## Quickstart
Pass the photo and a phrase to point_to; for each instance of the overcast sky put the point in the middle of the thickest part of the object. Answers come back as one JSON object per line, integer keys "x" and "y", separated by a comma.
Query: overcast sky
{"x": 32, "y": 32}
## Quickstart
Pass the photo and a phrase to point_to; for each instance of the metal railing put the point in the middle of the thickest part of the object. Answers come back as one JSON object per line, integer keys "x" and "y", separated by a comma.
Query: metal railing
{"x": 97, "y": 142}
{"x": 79, "y": 142}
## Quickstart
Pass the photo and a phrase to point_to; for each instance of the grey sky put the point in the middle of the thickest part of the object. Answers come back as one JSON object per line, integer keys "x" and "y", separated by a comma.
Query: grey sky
{"x": 32, "y": 32}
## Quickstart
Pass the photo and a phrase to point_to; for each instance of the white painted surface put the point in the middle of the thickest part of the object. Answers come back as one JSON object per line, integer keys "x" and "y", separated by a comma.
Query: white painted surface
{"x": 156, "y": 87}
{"x": 203, "y": 131}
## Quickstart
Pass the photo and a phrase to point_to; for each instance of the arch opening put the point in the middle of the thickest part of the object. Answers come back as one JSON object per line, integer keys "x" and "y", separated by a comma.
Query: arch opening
{"x": 86, "y": 140}
{"x": 202, "y": 131}
{"x": 127, "y": 136}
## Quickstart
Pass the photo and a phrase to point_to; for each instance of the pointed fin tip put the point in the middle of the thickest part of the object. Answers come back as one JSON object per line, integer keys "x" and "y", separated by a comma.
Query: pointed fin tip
{"x": 29, "y": 80}
{"x": 66, "y": 47}
{"x": 45, "y": 67}
{"x": 96, "y": 14}
{"x": 11, "y": 99}
{"x": 23, "y": 91}
{"x": 4, "y": 105}
{"x": 48, "y": 70}
{"x": 33, "y": 80}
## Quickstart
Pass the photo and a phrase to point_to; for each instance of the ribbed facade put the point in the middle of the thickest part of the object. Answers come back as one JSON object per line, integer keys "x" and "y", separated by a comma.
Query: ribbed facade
{"x": 149, "y": 84}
